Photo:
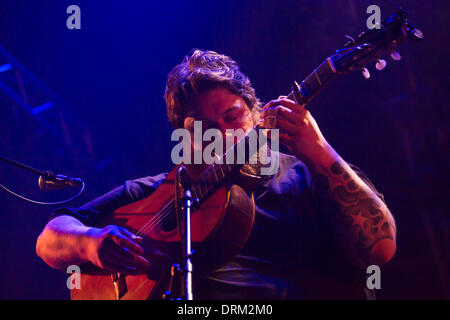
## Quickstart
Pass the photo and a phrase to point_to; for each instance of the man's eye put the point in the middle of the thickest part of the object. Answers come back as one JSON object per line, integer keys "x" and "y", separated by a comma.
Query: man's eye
{"x": 231, "y": 119}
{"x": 233, "y": 116}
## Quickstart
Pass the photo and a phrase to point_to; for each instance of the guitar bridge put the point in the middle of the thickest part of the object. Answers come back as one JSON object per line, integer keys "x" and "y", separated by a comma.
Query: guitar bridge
{"x": 120, "y": 284}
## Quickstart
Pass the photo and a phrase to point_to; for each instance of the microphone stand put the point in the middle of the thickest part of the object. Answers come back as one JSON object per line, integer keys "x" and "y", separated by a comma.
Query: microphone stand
{"x": 183, "y": 213}
{"x": 188, "y": 267}
{"x": 184, "y": 183}
{"x": 24, "y": 166}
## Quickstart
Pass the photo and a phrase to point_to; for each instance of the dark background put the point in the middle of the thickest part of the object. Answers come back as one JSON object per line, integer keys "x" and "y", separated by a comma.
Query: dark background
{"x": 110, "y": 122}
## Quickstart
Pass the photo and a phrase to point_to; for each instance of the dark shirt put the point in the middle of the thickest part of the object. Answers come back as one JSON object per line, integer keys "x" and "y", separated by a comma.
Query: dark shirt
{"x": 291, "y": 252}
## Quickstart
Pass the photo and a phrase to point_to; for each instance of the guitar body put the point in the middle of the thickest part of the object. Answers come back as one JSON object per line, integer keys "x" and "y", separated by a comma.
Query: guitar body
{"x": 219, "y": 228}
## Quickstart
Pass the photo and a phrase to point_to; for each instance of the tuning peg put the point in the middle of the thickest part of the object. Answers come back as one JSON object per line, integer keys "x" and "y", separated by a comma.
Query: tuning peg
{"x": 417, "y": 34}
{"x": 381, "y": 64}
{"x": 366, "y": 73}
{"x": 414, "y": 33}
{"x": 352, "y": 40}
{"x": 396, "y": 56}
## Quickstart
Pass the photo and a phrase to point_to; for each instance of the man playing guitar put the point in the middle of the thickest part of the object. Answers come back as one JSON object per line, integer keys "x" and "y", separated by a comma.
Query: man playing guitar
{"x": 317, "y": 215}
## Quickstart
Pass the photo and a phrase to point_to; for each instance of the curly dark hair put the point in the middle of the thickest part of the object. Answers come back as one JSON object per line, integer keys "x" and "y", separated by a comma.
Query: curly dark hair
{"x": 199, "y": 72}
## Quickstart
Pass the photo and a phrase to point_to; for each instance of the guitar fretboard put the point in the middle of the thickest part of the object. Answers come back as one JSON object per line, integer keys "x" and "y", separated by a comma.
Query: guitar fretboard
{"x": 314, "y": 82}
{"x": 215, "y": 173}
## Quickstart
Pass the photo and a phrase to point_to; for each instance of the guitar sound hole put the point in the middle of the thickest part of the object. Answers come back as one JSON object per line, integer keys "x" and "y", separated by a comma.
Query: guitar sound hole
{"x": 169, "y": 223}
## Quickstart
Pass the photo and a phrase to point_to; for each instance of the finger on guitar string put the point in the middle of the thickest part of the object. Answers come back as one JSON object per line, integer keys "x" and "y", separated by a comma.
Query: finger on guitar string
{"x": 125, "y": 238}
{"x": 290, "y": 104}
{"x": 280, "y": 112}
{"x": 125, "y": 257}
{"x": 130, "y": 235}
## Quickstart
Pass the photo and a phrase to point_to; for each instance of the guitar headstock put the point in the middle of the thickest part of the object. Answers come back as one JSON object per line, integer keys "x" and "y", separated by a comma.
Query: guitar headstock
{"x": 372, "y": 45}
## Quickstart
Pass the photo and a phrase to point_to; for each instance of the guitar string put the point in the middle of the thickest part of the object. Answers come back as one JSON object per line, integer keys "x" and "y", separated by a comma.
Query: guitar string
{"x": 160, "y": 217}
{"x": 157, "y": 219}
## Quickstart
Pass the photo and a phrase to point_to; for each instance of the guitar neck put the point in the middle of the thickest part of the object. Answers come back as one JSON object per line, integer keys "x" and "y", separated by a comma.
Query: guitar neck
{"x": 216, "y": 173}
{"x": 316, "y": 81}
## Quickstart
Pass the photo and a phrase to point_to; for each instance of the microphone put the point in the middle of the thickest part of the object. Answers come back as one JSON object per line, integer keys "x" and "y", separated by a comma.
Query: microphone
{"x": 51, "y": 182}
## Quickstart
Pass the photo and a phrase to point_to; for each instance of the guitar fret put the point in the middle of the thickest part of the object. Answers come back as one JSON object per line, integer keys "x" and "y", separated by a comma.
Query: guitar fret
{"x": 195, "y": 192}
{"x": 209, "y": 182}
{"x": 305, "y": 88}
{"x": 221, "y": 170}
{"x": 331, "y": 65}
{"x": 317, "y": 77}
{"x": 198, "y": 191}
{"x": 203, "y": 188}
{"x": 214, "y": 171}
{"x": 324, "y": 70}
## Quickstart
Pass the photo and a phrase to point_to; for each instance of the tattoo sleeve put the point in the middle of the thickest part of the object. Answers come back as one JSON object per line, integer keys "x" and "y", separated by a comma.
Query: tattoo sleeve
{"x": 358, "y": 216}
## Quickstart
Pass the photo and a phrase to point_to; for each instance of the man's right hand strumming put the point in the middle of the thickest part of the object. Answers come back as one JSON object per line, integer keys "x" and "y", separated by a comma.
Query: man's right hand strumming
{"x": 67, "y": 241}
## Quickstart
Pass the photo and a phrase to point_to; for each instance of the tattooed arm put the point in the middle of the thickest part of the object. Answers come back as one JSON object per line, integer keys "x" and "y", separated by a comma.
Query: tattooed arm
{"x": 363, "y": 224}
